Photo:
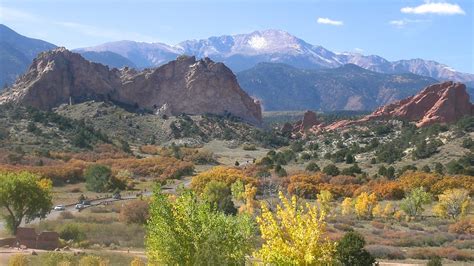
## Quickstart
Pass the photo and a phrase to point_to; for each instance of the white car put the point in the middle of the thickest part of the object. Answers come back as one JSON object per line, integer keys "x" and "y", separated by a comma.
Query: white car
{"x": 59, "y": 208}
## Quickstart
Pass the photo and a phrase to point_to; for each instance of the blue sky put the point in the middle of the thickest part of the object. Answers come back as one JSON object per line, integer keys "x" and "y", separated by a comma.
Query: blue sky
{"x": 441, "y": 31}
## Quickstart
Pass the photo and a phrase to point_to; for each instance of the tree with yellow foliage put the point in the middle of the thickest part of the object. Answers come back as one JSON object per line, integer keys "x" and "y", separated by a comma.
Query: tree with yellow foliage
{"x": 364, "y": 204}
{"x": 249, "y": 197}
{"x": 346, "y": 206}
{"x": 389, "y": 210}
{"x": 324, "y": 199}
{"x": 293, "y": 235}
{"x": 453, "y": 203}
{"x": 222, "y": 174}
{"x": 377, "y": 211}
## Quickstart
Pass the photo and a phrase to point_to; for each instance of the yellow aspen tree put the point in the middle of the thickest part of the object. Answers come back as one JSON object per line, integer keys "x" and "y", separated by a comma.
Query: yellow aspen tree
{"x": 364, "y": 204}
{"x": 377, "y": 211}
{"x": 389, "y": 210}
{"x": 294, "y": 235}
{"x": 346, "y": 206}
{"x": 250, "y": 202}
{"x": 324, "y": 198}
{"x": 453, "y": 203}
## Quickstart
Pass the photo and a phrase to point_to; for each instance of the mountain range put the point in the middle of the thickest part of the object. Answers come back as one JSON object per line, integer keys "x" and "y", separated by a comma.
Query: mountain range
{"x": 17, "y": 53}
{"x": 349, "y": 87}
{"x": 243, "y": 51}
{"x": 280, "y": 70}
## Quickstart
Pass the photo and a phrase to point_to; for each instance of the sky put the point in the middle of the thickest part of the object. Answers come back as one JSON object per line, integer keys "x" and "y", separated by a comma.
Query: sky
{"x": 437, "y": 30}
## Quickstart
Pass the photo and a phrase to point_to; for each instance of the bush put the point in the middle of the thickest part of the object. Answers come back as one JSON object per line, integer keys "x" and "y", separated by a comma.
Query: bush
{"x": 91, "y": 260}
{"x": 18, "y": 260}
{"x": 98, "y": 177}
{"x": 331, "y": 170}
{"x": 249, "y": 147}
{"x": 312, "y": 167}
{"x": 435, "y": 261}
{"x": 221, "y": 174}
{"x": 66, "y": 215}
{"x": 464, "y": 226}
{"x": 350, "y": 250}
{"x": 135, "y": 212}
{"x": 55, "y": 258}
{"x": 71, "y": 231}
{"x": 385, "y": 252}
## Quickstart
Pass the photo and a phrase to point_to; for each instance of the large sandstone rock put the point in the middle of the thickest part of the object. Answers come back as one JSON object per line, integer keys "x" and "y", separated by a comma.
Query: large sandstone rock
{"x": 185, "y": 85}
{"x": 439, "y": 103}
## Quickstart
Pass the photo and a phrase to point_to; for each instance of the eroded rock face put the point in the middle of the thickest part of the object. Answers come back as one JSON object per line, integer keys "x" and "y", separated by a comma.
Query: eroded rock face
{"x": 184, "y": 85}
{"x": 309, "y": 121}
{"x": 439, "y": 103}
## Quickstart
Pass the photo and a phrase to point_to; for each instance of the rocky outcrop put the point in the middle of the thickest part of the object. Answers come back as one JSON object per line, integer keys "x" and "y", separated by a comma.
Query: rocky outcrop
{"x": 439, "y": 103}
{"x": 185, "y": 85}
{"x": 309, "y": 121}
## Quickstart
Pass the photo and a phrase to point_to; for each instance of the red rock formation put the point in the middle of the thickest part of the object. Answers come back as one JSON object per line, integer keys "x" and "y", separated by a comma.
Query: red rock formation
{"x": 309, "y": 121}
{"x": 185, "y": 85}
{"x": 439, "y": 103}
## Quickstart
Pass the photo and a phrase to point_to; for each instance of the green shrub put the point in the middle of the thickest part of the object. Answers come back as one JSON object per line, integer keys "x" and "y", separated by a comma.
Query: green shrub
{"x": 71, "y": 231}
{"x": 218, "y": 195}
{"x": 350, "y": 250}
{"x": 313, "y": 167}
{"x": 331, "y": 170}
{"x": 98, "y": 177}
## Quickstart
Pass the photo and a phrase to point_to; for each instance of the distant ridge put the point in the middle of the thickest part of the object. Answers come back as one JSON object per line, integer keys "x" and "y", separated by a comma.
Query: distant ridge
{"x": 244, "y": 51}
{"x": 281, "y": 87}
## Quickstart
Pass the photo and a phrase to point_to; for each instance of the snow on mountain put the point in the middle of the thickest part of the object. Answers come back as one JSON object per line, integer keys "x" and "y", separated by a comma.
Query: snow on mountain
{"x": 243, "y": 51}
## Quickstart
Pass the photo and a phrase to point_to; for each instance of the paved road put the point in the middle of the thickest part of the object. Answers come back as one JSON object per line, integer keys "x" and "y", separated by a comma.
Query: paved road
{"x": 169, "y": 188}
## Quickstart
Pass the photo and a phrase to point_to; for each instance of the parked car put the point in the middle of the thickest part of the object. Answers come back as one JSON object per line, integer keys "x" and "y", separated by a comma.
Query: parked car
{"x": 59, "y": 208}
{"x": 80, "y": 206}
{"x": 85, "y": 202}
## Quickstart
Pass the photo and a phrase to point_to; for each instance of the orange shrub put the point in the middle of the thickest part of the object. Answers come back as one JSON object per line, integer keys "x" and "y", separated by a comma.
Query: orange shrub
{"x": 338, "y": 191}
{"x": 383, "y": 189}
{"x": 223, "y": 174}
{"x": 450, "y": 182}
{"x": 305, "y": 185}
{"x": 464, "y": 226}
{"x": 156, "y": 167}
{"x": 135, "y": 212}
{"x": 411, "y": 180}
{"x": 150, "y": 149}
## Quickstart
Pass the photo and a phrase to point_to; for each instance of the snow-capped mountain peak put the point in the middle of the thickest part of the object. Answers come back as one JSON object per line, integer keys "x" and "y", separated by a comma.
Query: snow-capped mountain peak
{"x": 243, "y": 51}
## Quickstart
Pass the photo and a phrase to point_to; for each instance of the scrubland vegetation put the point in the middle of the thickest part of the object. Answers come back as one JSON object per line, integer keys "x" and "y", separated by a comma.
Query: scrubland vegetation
{"x": 385, "y": 191}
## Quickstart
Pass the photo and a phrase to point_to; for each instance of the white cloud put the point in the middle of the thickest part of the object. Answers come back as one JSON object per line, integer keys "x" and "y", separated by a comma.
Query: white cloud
{"x": 14, "y": 15}
{"x": 398, "y": 23}
{"x": 404, "y": 22}
{"x": 434, "y": 8}
{"x": 328, "y": 21}
{"x": 358, "y": 50}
